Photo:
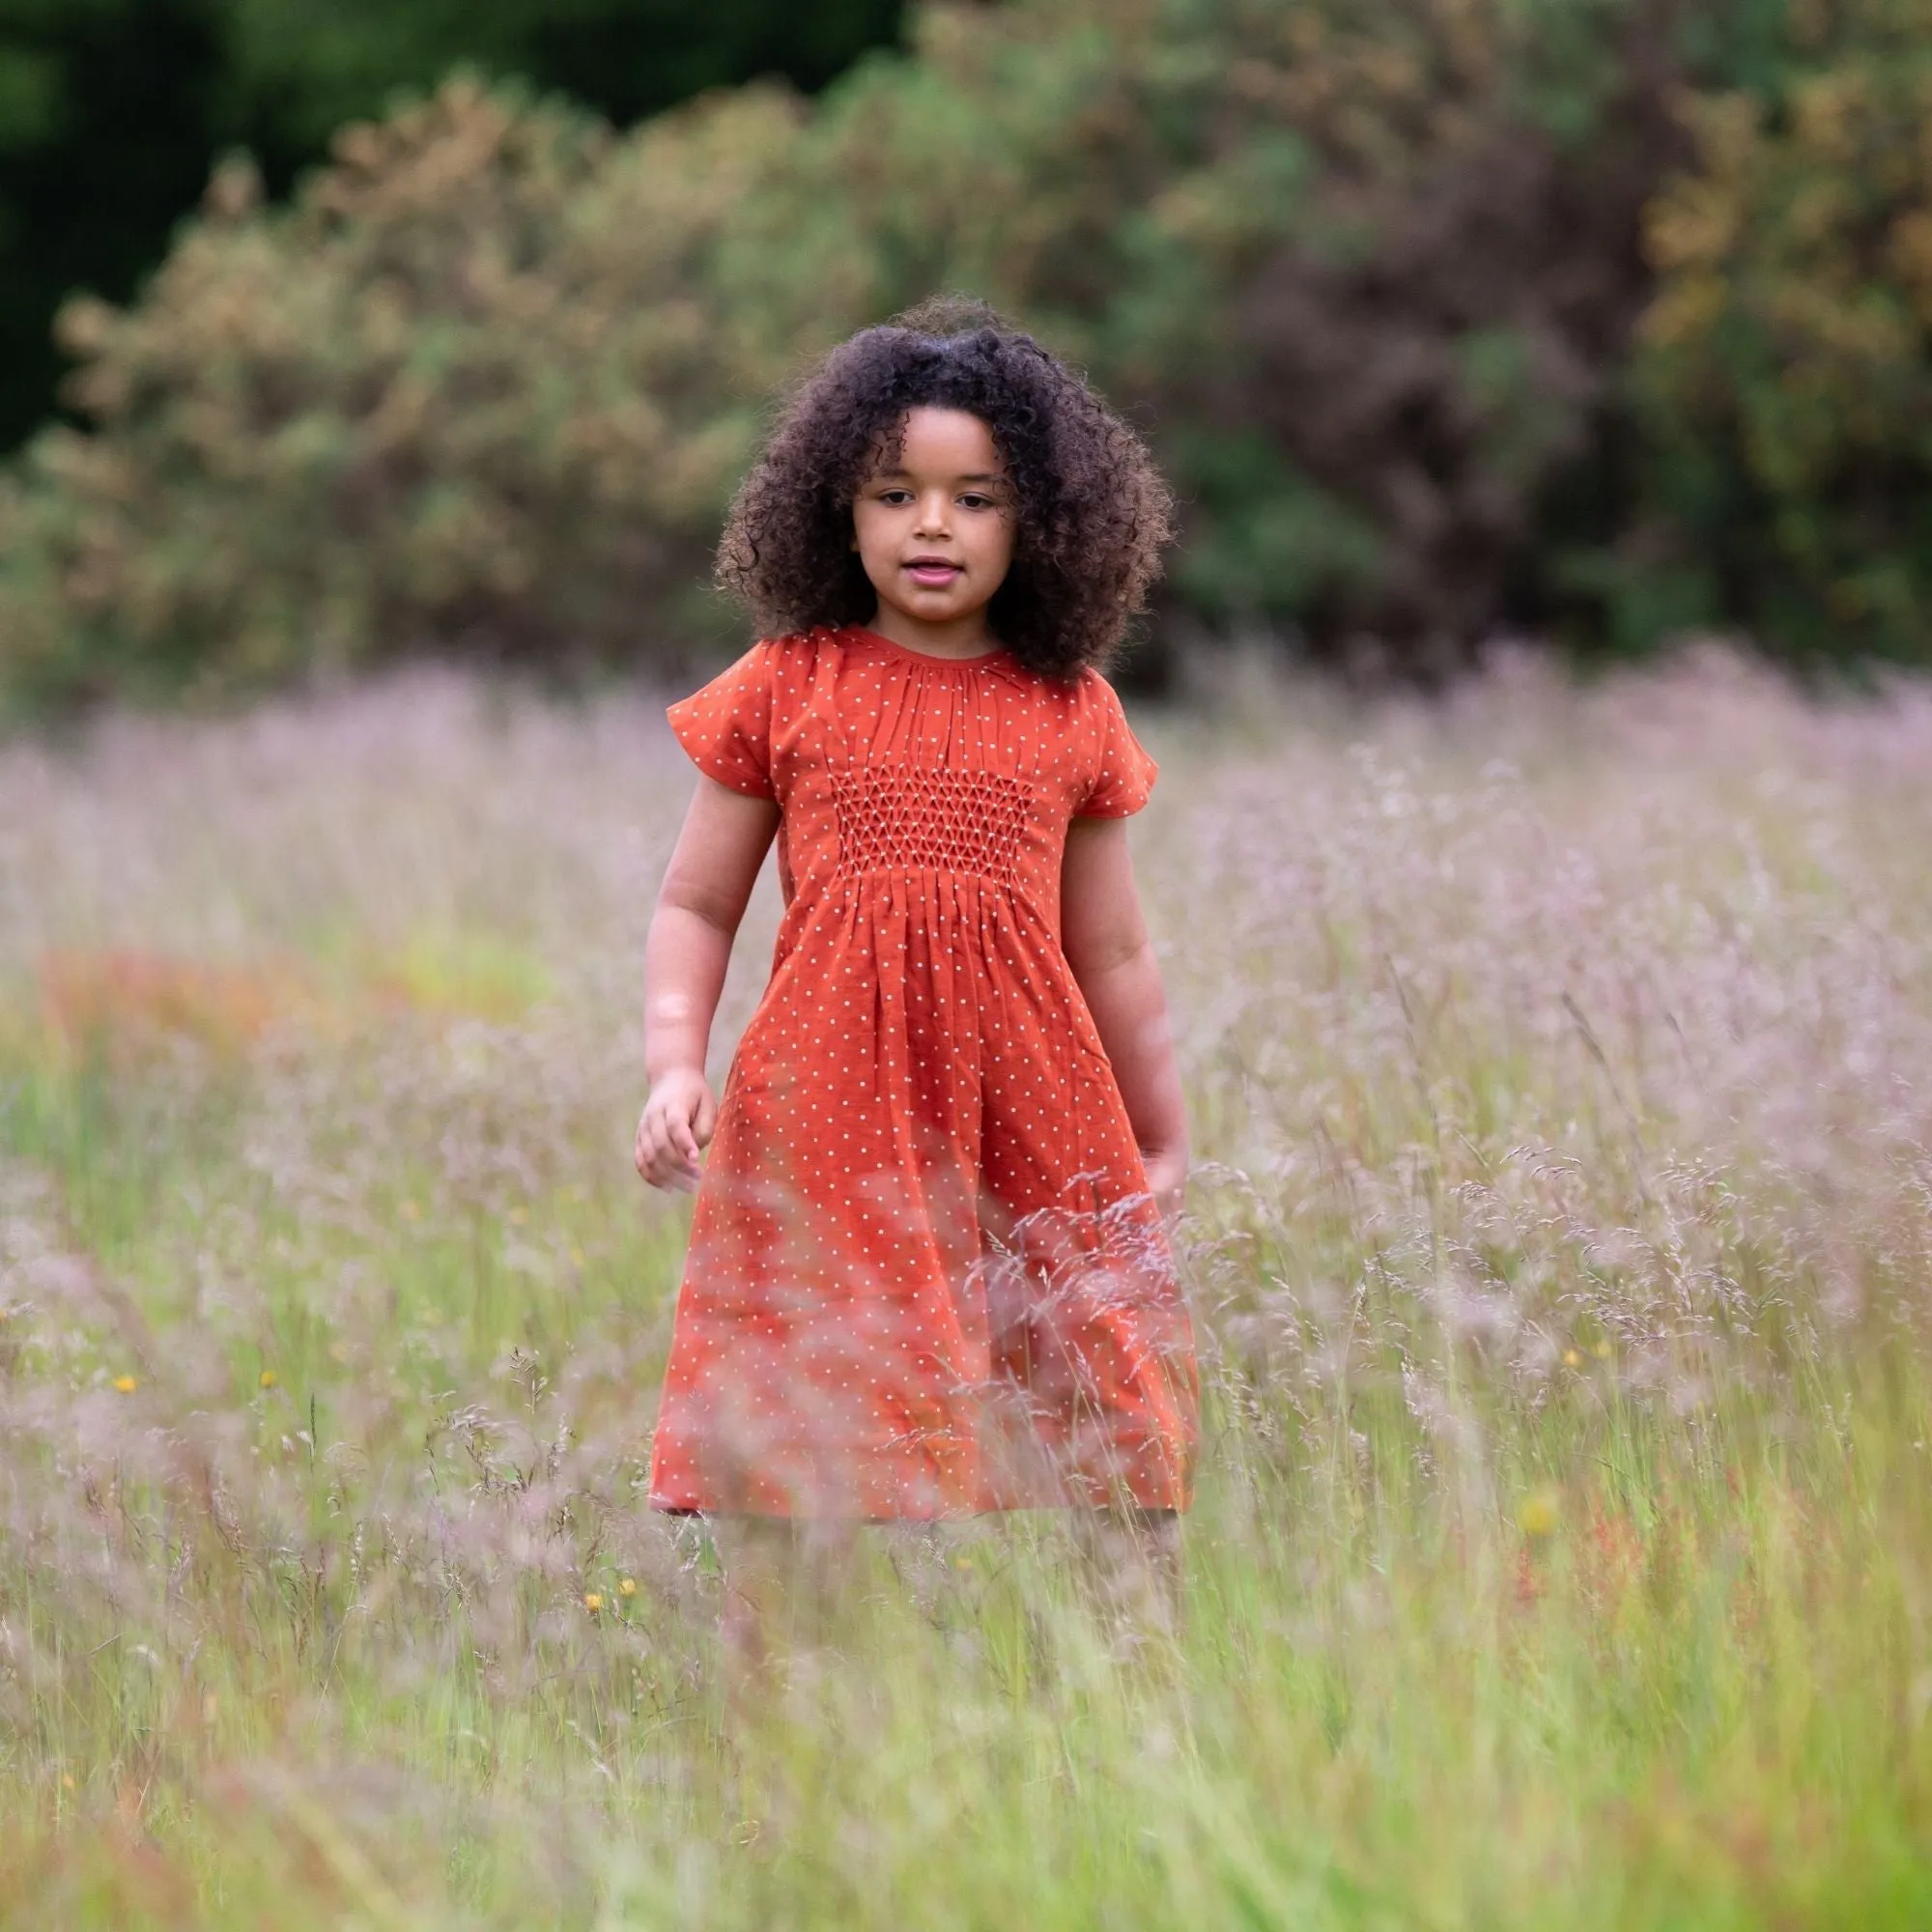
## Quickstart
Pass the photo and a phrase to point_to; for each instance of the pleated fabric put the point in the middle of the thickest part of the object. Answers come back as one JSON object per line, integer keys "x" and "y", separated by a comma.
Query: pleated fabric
{"x": 926, "y": 1276}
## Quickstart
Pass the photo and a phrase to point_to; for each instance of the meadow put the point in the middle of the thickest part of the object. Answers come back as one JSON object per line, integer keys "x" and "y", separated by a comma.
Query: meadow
{"x": 1560, "y": 1064}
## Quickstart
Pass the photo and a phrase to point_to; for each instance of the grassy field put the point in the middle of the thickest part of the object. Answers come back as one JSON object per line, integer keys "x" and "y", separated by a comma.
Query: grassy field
{"x": 1561, "y": 1249}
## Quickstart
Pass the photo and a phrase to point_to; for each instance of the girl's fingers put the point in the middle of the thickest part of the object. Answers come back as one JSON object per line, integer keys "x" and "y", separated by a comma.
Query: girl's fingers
{"x": 680, "y": 1157}
{"x": 658, "y": 1160}
{"x": 670, "y": 1142}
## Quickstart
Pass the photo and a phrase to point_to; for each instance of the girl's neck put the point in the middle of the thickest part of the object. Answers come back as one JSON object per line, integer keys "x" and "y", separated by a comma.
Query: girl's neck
{"x": 964, "y": 636}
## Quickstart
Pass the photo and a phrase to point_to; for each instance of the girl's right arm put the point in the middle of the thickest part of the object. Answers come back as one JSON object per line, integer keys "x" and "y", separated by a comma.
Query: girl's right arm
{"x": 705, "y": 889}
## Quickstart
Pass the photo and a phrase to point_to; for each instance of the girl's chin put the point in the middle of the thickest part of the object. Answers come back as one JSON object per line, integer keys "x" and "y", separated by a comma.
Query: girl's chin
{"x": 939, "y": 608}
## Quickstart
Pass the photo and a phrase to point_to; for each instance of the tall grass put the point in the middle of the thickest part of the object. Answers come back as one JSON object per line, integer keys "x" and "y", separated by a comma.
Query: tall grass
{"x": 1561, "y": 1253}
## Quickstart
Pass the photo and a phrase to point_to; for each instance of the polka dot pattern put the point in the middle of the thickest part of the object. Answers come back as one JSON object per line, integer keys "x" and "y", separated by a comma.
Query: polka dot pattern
{"x": 926, "y": 1276}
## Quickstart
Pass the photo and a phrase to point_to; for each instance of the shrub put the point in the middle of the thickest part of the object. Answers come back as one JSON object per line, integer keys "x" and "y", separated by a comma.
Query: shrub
{"x": 1786, "y": 362}
{"x": 463, "y": 393}
{"x": 1368, "y": 270}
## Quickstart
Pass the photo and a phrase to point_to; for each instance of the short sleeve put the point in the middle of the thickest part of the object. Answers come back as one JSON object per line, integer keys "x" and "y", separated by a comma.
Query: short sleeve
{"x": 1123, "y": 774}
{"x": 725, "y": 727}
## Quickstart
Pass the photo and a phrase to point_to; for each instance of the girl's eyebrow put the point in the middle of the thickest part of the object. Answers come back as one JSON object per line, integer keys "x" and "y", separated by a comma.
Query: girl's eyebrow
{"x": 974, "y": 476}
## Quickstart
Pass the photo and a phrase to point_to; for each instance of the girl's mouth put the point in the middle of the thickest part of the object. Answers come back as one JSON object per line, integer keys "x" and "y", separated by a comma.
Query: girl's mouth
{"x": 935, "y": 571}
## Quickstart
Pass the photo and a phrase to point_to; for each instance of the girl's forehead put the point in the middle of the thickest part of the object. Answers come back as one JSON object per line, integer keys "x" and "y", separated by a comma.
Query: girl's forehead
{"x": 941, "y": 442}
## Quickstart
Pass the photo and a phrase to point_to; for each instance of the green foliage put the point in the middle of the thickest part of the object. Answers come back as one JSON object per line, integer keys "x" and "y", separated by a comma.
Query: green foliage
{"x": 458, "y": 394}
{"x": 112, "y": 111}
{"x": 1345, "y": 235}
{"x": 104, "y": 142}
{"x": 1267, "y": 539}
{"x": 491, "y": 378}
{"x": 1371, "y": 276}
{"x": 1786, "y": 362}
{"x": 298, "y": 74}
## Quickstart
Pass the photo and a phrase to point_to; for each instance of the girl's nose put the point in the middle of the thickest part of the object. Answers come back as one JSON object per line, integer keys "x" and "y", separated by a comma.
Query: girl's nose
{"x": 932, "y": 515}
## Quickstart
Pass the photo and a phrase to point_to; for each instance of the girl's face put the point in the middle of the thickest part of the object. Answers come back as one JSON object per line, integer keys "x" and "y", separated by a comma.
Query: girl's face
{"x": 935, "y": 525}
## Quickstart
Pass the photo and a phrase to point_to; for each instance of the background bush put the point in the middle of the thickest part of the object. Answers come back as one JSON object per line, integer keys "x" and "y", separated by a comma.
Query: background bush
{"x": 113, "y": 111}
{"x": 459, "y": 394}
{"x": 1596, "y": 316}
{"x": 1786, "y": 362}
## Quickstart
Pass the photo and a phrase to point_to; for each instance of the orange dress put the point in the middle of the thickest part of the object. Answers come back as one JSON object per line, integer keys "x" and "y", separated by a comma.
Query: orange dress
{"x": 926, "y": 1276}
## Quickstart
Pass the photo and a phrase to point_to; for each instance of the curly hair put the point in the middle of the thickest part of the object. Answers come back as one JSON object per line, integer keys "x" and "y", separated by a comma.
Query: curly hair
{"x": 1091, "y": 511}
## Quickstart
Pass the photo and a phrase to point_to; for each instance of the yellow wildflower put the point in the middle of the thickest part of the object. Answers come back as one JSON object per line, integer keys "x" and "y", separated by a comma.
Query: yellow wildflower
{"x": 592, "y": 1602}
{"x": 127, "y": 1384}
{"x": 269, "y": 1378}
{"x": 1572, "y": 1359}
{"x": 1537, "y": 1513}
{"x": 626, "y": 1586}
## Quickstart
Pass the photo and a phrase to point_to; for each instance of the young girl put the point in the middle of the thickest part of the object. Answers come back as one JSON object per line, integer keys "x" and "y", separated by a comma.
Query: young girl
{"x": 929, "y": 1271}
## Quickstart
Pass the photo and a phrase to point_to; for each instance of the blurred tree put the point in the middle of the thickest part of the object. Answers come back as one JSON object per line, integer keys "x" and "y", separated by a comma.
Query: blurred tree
{"x": 106, "y": 108}
{"x": 113, "y": 111}
{"x": 466, "y": 391}
{"x": 1371, "y": 273}
{"x": 1368, "y": 269}
{"x": 296, "y": 72}
{"x": 1785, "y": 365}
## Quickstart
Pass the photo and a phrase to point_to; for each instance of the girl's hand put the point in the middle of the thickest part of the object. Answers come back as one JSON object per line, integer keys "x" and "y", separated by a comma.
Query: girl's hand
{"x": 678, "y": 1121}
{"x": 1167, "y": 1180}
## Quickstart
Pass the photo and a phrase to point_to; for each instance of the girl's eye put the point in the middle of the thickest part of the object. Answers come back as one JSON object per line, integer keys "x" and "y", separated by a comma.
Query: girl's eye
{"x": 973, "y": 500}
{"x": 895, "y": 496}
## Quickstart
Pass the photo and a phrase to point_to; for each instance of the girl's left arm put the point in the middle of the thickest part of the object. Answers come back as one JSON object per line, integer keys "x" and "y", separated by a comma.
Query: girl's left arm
{"x": 1106, "y": 943}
